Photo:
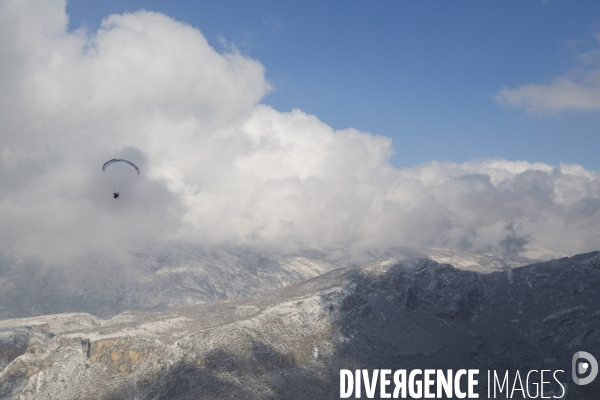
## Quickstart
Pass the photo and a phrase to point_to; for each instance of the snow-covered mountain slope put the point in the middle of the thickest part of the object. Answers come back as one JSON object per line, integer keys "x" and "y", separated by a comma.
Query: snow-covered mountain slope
{"x": 154, "y": 278}
{"x": 174, "y": 275}
{"x": 487, "y": 262}
{"x": 291, "y": 342}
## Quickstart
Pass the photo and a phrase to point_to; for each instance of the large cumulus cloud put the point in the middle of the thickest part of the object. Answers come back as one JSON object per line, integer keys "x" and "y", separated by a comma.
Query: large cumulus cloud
{"x": 218, "y": 167}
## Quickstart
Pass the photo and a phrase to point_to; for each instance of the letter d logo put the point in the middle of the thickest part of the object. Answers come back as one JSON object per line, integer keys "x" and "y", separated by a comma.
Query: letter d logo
{"x": 583, "y": 367}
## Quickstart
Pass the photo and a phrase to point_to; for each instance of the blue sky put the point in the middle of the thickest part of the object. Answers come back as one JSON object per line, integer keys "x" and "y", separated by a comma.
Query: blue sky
{"x": 423, "y": 73}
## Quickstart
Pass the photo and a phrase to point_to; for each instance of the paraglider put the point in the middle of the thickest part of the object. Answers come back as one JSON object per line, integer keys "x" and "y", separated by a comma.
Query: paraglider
{"x": 118, "y": 174}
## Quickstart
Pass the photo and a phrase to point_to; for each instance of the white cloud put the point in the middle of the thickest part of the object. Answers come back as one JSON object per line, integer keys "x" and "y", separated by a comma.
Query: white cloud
{"x": 220, "y": 168}
{"x": 577, "y": 91}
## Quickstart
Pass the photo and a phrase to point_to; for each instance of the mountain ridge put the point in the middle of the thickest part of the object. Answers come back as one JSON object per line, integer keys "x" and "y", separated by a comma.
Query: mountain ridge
{"x": 291, "y": 342}
{"x": 175, "y": 275}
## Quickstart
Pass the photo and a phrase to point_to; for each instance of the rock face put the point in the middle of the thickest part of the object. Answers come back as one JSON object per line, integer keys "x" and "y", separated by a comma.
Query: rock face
{"x": 290, "y": 343}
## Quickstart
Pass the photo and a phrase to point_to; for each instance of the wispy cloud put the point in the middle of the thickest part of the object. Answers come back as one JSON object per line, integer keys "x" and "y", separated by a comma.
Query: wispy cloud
{"x": 273, "y": 22}
{"x": 577, "y": 91}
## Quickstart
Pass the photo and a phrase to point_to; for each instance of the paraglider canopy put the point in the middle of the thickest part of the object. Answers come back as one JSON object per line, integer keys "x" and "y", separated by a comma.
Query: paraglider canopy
{"x": 115, "y": 160}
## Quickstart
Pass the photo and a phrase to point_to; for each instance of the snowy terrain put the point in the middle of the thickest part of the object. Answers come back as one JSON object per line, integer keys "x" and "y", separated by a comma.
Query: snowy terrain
{"x": 291, "y": 342}
{"x": 177, "y": 275}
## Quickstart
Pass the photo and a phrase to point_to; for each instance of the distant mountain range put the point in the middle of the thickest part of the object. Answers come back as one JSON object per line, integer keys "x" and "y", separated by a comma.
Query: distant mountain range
{"x": 176, "y": 275}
